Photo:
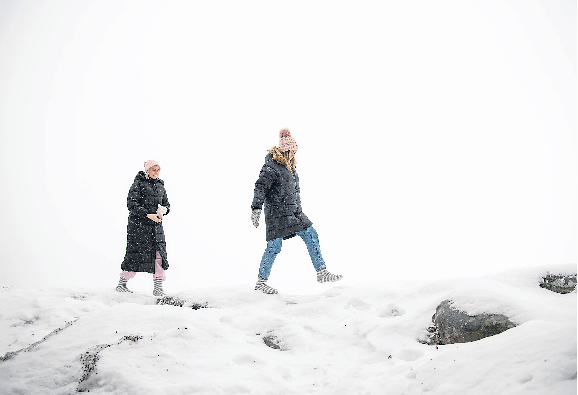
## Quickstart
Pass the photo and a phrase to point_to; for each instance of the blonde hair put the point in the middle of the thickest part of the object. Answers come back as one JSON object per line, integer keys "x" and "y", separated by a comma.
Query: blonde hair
{"x": 283, "y": 158}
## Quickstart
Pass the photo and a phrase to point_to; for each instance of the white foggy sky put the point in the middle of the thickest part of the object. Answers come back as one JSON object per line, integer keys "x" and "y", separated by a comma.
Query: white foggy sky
{"x": 436, "y": 139}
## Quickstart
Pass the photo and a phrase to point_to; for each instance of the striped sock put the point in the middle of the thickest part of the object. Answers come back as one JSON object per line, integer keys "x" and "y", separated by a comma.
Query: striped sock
{"x": 158, "y": 288}
{"x": 324, "y": 276}
{"x": 263, "y": 287}
{"x": 121, "y": 287}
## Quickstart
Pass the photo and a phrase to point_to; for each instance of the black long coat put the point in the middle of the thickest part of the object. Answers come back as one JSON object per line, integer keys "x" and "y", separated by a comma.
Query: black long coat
{"x": 144, "y": 236}
{"x": 278, "y": 188}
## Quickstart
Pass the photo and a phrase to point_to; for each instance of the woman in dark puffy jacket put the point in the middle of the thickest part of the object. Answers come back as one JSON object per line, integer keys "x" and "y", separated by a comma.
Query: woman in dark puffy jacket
{"x": 145, "y": 246}
{"x": 278, "y": 188}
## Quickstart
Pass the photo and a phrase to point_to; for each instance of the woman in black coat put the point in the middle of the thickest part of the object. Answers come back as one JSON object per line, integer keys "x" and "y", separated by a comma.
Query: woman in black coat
{"x": 278, "y": 188}
{"x": 145, "y": 246}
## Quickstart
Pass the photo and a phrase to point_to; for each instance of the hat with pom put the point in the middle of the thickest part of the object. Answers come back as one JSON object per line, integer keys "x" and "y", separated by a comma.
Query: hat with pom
{"x": 286, "y": 141}
{"x": 150, "y": 163}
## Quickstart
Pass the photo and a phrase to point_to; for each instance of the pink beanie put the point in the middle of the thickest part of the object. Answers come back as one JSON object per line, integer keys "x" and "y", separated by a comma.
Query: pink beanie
{"x": 150, "y": 163}
{"x": 286, "y": 142}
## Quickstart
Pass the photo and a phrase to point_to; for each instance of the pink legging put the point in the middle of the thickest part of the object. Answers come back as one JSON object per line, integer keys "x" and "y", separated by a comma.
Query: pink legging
{"x": 159, "y": 271}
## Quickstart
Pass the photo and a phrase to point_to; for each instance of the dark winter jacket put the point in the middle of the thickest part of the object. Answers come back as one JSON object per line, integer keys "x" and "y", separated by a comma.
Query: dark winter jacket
{"x": 144, "y": 236}
{"x": 278, "y": 188}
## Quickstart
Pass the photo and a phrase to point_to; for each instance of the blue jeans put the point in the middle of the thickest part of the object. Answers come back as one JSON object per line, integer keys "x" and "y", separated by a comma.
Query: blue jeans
{"x": 311, "y": 240}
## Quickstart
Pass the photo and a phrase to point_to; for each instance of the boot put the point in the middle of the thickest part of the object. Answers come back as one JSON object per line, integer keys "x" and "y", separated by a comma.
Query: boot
{"x": 158, "y": 288}
{"x": 121, "y": 287}
{"x": 324, "y": 276}
{"x": 263, "y": 287}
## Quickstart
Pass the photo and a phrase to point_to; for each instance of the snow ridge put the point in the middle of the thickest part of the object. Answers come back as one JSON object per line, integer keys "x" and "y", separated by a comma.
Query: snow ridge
{"x": 347, "y": 340}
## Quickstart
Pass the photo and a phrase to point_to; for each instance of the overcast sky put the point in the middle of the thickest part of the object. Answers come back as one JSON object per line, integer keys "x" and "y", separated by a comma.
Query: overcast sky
{"x": 436, "y": 139}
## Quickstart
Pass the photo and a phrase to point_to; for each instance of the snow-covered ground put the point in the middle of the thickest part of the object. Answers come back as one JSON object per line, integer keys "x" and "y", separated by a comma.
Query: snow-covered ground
{"x": 346, "y": 340}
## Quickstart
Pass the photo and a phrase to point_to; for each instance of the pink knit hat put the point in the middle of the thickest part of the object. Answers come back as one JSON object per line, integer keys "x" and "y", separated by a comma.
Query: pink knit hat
{"x": 150, "y": 163}
{"x": 286, "y": 142}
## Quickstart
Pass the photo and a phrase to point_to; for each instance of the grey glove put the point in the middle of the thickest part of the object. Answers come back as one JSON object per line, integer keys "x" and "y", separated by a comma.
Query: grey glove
{"x": 255, "y": 214}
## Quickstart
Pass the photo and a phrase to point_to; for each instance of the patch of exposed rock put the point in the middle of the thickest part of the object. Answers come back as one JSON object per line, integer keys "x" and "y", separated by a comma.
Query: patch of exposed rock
{"x": 12, "y": 354}
{"x": 274, "y": 342}
{"x": 561, "y": 284}
{"x": 454, "y": 326}
{"x": 175, "y": 301}
{"x": 91, "y": 357}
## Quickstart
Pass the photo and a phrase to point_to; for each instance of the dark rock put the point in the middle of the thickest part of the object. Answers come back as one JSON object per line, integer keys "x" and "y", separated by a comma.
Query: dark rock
{"x": 12, "y": 354}
{"x": 273, "y": 342}
{"x": 178, "y": 302}
{"x": 197, "y": 306}
{"x": 171, "y": 300}
{"x": 453, "y": 326}
{"x": 90, "y": 358}
{"x": 8, "y": 355}
{"x": 132, "y": 338}
{"x": 561, "y": 284}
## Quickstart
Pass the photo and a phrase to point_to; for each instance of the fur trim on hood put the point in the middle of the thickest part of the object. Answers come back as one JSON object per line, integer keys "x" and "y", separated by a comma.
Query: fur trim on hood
{"x": 279, "y": 158}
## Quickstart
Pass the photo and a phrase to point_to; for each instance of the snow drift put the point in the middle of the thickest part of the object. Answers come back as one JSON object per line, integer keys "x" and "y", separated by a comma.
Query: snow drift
{"x": 347, "y": 340}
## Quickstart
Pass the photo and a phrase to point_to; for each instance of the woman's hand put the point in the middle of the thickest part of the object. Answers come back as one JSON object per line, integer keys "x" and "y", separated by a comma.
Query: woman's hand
{"x": 154, "y": 217}
{"x": 161, "y": 210}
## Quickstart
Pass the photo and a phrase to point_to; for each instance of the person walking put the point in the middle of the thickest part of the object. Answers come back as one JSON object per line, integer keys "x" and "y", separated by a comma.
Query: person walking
{"x": 278, "y": 188}
{"x": 145, "y": 246}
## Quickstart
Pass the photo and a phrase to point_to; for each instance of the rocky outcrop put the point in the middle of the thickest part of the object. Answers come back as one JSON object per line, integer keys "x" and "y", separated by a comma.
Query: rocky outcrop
{"x": 454, "y": 326}
{"x": 561, "y": 284}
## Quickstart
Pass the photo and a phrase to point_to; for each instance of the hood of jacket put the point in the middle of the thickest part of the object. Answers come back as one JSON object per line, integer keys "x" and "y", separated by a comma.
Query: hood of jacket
{"x": 140, "y": 176}
{"x": 278, "y": 157}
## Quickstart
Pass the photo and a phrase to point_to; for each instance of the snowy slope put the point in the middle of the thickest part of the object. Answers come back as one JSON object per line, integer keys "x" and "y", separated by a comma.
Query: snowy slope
{"x": 347, "y": 340}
